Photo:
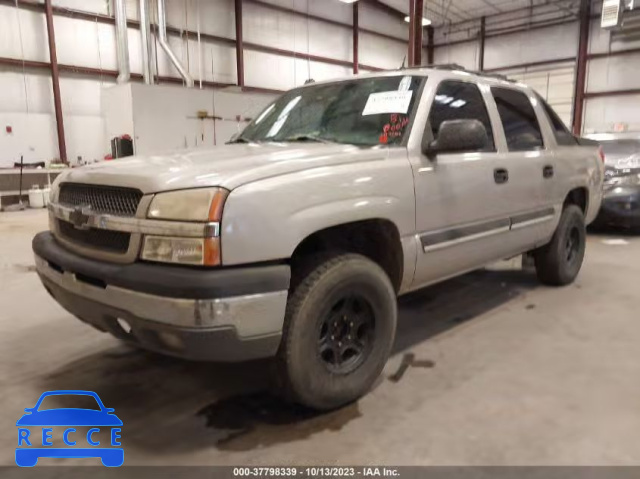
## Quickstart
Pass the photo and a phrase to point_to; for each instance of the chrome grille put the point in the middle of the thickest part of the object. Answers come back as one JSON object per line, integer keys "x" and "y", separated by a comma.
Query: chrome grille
{"x": 105, "y": 240}
{"x": 110, "y": 200}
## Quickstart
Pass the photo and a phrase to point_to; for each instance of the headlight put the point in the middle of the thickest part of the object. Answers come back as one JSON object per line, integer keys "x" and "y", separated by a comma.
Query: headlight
{"x": 201, "y": 204}
{"x": 194, "y": 251}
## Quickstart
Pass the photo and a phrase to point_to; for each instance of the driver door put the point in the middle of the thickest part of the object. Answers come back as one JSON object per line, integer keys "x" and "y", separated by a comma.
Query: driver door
{"x": 462, "y": 218}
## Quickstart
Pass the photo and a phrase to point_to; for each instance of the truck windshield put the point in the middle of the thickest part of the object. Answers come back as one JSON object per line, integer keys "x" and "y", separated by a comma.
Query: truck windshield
{"x": 366, "y": 111}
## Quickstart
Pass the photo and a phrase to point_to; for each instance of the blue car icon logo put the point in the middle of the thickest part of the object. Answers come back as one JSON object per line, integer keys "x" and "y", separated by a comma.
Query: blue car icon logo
{"x": 35, "y": 433}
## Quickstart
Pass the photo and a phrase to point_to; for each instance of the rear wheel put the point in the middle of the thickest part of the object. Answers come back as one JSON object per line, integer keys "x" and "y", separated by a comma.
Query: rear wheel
{"x": 338, "y": 333}
{"x": 559, "y": 261}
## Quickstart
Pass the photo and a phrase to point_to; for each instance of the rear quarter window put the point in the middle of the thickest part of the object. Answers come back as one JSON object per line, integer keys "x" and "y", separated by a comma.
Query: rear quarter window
{"x": 560, "y": 131}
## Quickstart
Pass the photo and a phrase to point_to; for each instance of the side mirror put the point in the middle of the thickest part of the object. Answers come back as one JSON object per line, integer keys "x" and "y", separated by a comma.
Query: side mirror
{"x": 458, "y": 136}
{"x": 234, "y": 137}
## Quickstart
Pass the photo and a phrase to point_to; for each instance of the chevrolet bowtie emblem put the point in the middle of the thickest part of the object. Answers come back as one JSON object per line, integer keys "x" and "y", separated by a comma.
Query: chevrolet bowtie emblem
{"x": 79, "y": 217}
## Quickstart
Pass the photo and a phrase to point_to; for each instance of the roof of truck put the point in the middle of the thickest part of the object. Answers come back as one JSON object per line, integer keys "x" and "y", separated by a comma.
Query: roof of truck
{"x": 450, "y": 70}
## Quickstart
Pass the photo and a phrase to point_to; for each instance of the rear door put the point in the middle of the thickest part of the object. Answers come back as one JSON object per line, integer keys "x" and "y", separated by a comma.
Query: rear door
{"x": 566, "y": 156}
{"x": 531, "y": 163}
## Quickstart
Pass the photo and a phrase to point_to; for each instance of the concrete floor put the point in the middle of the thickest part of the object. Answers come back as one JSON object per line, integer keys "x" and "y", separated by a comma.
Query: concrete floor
{"x": 504, "y": 372}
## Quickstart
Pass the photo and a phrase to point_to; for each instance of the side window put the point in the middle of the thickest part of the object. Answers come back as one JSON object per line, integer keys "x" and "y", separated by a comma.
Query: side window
{"x": 457, "y": 100}
{"x": 560, "y": 131}
{"x": 519, "y": 121}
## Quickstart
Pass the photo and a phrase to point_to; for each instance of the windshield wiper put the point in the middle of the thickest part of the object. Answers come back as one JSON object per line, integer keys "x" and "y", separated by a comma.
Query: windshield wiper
{"x": 306, "y": 137}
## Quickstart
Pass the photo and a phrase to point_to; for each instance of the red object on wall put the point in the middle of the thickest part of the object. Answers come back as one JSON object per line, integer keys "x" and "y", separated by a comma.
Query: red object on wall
{"x": 9, "y": 129}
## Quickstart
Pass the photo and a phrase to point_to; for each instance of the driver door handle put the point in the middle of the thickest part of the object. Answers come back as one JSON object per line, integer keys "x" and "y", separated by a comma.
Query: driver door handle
{"x": 547, "y": 171}
{"x": 501, "y": 175}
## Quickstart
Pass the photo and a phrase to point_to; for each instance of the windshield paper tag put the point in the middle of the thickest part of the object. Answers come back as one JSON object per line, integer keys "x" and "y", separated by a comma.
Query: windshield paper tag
{"x": 405, "y": 83}
{"x": 387, "y": 102}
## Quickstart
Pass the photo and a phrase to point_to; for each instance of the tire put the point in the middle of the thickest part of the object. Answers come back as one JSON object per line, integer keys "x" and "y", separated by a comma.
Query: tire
{"x": 339, "y": 328}
{"x": 559, "y": 261}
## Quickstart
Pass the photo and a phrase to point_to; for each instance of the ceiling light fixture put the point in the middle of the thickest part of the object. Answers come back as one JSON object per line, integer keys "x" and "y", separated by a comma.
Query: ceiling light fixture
{"x": 348, "y": 1}
{"x": 425, "y": 21}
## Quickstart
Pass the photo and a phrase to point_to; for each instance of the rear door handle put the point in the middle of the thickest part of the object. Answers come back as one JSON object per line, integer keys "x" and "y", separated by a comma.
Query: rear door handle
{"x": 501, "y": 175}
{"x": 547, "y": 171}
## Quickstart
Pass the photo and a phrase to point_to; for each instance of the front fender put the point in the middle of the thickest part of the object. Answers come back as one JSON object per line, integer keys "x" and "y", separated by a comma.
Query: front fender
{"x": 266, "y": 220}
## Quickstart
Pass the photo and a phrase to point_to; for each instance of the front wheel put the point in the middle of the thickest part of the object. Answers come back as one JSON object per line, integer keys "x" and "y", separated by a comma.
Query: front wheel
{"x": 339, "y": 329}
{"x": 559, "y": 261}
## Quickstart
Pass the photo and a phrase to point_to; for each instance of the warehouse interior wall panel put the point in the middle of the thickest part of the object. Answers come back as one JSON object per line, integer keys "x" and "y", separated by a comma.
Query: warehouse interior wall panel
{"x": 117, "y": 110}
{"x": 216, "y": 17}
{"x": 373, "y": 19}
{"x": 217, "y": 62}
{"x": 620, "y": 72}
{"x": 614, "y": 73}
{"x": 380, "y": 52}
{"x": 603, "y": 40}
{"x": 531, "y": 46}
{"x": 86, "y": 43}
{"x": 21, "y": 93}
{"x": 85, "y": 138}
{"x": 26, "y": 105}
{"x": 276, "y": 29}
{"x": 281, "y": 73}
{"x": 23, "y": 34}
{"x": 33, "y": 137}
{"x": 26, "y": 101}
{"x": 602, "y": 114}
{"x": 464, "y": 54}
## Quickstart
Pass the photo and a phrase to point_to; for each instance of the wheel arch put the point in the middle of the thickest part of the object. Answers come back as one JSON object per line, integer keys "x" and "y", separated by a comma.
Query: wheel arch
{"x": 578, "y": 196}
{"x": 376, "y": 238}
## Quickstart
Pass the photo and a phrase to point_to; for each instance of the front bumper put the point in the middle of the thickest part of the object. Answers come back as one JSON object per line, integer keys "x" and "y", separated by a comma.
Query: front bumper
{"x": 226, "y": 314}
{"x": 620, "y": 207}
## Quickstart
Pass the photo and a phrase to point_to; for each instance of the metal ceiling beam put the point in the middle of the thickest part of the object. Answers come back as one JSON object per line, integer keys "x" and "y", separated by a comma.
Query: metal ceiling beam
{"x": 519, "y": 66}
{"x": 55, "y": 81}
{"x": 411, "y": 44}
{"x": 355, "y": 38}
{"x": 100, "y": 73}
{"x": 481, "y": 40}
{"x": 609, "y": 93}
{"x": 418, "y": 10}
{"x": 239, "y": 44}
{"x": 581, "y": 66}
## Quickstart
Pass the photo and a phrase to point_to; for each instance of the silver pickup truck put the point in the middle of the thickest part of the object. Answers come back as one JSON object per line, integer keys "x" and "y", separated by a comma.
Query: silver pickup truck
{"x": 294, "y": 240}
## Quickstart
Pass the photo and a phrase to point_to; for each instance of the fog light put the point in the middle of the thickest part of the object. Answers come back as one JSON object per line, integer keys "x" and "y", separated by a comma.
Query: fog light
{"x": 126, "y": 327}
{"x": 171, "y": 340}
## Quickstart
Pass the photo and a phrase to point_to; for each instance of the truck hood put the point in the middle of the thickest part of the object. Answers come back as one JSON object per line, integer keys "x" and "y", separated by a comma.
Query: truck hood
{"x": 228, "y": 166}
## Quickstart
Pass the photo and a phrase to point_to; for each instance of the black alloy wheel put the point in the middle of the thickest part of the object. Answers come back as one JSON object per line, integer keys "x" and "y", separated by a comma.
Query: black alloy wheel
{"x": 346, "y": 333}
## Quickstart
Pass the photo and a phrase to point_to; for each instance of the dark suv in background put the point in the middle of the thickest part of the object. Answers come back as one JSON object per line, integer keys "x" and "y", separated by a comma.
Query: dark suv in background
{"x": 621, "y": 201}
